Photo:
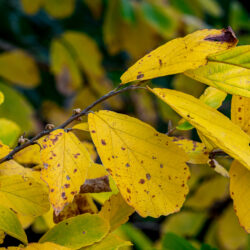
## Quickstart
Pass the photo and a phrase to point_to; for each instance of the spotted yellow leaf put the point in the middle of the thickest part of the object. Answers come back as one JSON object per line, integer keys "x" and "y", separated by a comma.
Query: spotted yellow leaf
{"x": 24, "y": 194}
{"x": 240, "y": 191}
{"x": 240, "y": 112}
{"x": 148, "y": 168}
{"x": 181, "y": 54}
{"x": 215, "y": 126}
{"x": 19, "y": 68}
{"x": 65, "y": 162}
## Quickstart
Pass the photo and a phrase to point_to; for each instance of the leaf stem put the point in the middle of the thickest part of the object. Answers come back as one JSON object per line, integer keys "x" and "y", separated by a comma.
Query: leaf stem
{"x": 85, "y": 111}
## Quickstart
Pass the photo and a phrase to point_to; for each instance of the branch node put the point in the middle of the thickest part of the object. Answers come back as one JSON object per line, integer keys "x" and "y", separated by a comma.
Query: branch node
{"x": 49, "y": 126}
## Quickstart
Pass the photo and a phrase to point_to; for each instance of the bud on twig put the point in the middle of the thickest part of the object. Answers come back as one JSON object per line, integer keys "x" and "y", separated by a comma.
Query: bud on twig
{"x": 49, "y": 126}
{"x": 76, "y": 111}
{"x": 22, "y": 140}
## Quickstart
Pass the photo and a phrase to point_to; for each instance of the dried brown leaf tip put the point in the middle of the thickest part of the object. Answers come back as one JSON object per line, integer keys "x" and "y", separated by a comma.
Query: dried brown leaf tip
{"x": 227, "y": 35}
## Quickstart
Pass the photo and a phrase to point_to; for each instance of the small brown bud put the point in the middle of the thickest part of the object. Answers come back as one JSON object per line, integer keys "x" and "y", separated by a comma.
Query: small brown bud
{"x": 79, "y": 119}
{"x": 76, "y": 111}
{"x": 22, "y": 140}
{"x": 49, "y": 126}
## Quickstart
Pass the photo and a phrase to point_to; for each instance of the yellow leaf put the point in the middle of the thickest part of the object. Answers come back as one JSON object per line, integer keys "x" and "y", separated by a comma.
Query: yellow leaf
{"x": 9, "y": 132}
{"x": 221, "y": 131}
{"x": 46, "y": 246}
{"x": 240, "y": 112}
{"x": 180, "y": 54}
{"x": 96, "y": 171}
{"x": 196, "y": 151}
{"x": 1, "y": 98}
{"x": 59, "y": 8}
{"x": 24, "y": 195}
{"x": 31, "y": 7}
{"x": 88, "y": 54}
{"x": 4, "y": 150}
{"x": 65, "y": 162}
{"x": 82, "y": 126}
{"x": 208, "y": 193}
{"x": 240, "y": 191}
{"x": 82, "y": 203}
{"x": 116, "y": 211}
{"x": 29, "y": 156}
{"x": 229, "y": 233}
{"x": 148, "y": 168}
{"x": 64, "y": 66}
{"x": 19, "y": 68}
{"x": 91, "y": 149}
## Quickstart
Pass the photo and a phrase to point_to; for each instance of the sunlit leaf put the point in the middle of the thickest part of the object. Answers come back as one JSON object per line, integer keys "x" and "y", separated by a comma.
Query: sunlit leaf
{"x": 239, "y": 56}
{"x": 82, "y": 126}
{"x": 18, "y": 67}
{"x": 240, "y": 191}
{"x": 148, "y": 168}
{"x": 9, "y": 224}
{"x": 23, "y": 194}
{"x": 212, "y": 97}
{"x": 9, "y": 132}
{"x": 29, "y": 156}
{"x": 96, "y": 171}
{"x": 116, "y": 211}
{"x": 65, "y": 162}
{"x": 17, "y": 109}
{"x": 180, "y": 54}
{"x": 196, "y": 151}
{"x": 82, "y": 230}
{"x": 220, "y": 131}
{"x": 59, "y": 8}
{"x": 228, "y": 70}
{"x": 31, "y": 7}
{"x": 240, "y": 112}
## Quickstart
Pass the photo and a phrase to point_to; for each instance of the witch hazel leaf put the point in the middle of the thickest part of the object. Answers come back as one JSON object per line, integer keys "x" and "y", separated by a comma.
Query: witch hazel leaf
{"x": 116, "y": 211}
{"x": 181, "y": 54}
{"x": 211, "y": 123}
{"x": 228, "y": 71}
{"x": 240, "y": 191}
{"x": 1, "y": 98}
{"x": 65, "y": 161}
{"x": 10, "y": 224}
{"x": 148, "y": 168}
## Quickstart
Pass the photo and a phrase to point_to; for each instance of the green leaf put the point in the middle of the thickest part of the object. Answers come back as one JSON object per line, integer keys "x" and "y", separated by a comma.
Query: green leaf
{"x": 127, "y": 11}
{"x": 9, "y": 132}
{"x": 82, "y": 230}
{"x": 207, "y": 247}
{"x": 138, "y": 238}
{"x": 228, "y": 71}
{"x": 16, "y": 108}
{"x": 10, "y": 224}
{"x": 172, "y": 242}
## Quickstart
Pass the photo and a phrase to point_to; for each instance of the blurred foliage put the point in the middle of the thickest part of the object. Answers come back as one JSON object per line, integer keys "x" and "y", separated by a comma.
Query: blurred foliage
{"x": 56, "y": 55}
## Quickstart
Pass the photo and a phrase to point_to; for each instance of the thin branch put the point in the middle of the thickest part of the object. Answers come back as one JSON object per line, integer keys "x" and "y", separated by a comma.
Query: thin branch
{"x": 33, "y": 140}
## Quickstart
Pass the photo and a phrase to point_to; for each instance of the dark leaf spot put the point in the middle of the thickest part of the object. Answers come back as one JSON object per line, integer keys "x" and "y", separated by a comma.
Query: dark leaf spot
{"x": 148, "y": 176}
{"x": 103, "y": 142}
{"x": 141, "y": 181}
{"x": 140, "y": 76}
